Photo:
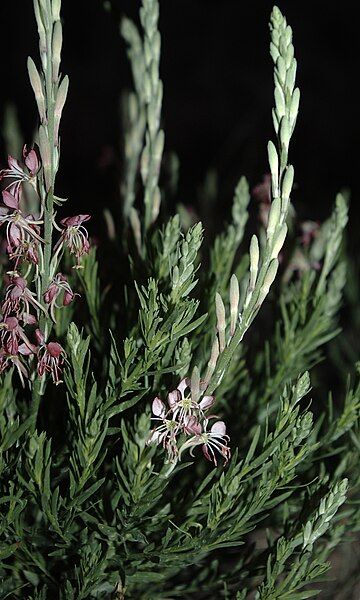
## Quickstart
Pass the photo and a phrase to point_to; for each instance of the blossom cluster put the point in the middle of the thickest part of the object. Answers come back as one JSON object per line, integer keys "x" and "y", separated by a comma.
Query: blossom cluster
{"x": 22, "y": 342}
{"x": 184, "y": 424}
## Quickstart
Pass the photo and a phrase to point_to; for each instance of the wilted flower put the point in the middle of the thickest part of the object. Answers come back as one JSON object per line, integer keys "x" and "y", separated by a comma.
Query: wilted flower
{"x": 58, "y": 285}
{"x": 8, "y": 360}
{"x": 12, "y": 335}
{"x": 18, "y": 298}
{"x": 75, "y": 236}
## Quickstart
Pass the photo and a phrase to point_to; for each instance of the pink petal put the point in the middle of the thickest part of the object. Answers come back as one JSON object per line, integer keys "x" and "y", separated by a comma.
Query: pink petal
{"x": 14, "y": 234}
{"x": 173, "y": 398}
{"x": 54, "y": 349}
{"x": 158, "y": 407}
{"x": 68, "y": 298}
{"x": 76, "y": 220}
{"x": 10, "y": 200}
{"x": 39, "y": 337}
{"x": 192, "y": 425}
{"x": 26, "y": 350}
{"x": 219, "y": 428}
{"x": 207, "y": 402}
{"x": 32, "y": 162}
{"x": 184, "y": 383}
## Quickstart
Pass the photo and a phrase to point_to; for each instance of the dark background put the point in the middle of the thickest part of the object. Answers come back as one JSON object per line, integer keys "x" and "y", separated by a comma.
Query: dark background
{"x": 217, "y": 75}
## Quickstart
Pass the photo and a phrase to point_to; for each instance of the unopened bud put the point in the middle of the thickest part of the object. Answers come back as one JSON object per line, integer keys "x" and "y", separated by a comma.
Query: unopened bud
{"x": 144, "y": 164}
{"x": 56, "y": 6}
{"x": 254, "y": 261}
{"x": 279, "y": 241}
{"x": 287, "y": 182}
{"x": 279, "y": 101}
{"x": 56, "y": 50}
{"x": 195, "y": 384}
{"x": 221, "y": 321}
{"x": 285, "y": 132}
{"x": 156, "y": 204}
{"x": 136, "y": 227}
{"x": 281, "y": 69}
{"x": 274, "y": 166}
{"x": 37, "y": 87}
{"x": 46, "y": 154}
{"x": 274, "y": 216}
{"x": 268, "y": 280}
{"x": 212, "y": 361}
{"x": 40, "y": 27}
{"x": 291, "y": 76}
{"x": 59, "y": 105}
{"x": 234, "y": 303}
{"x": 294, "y": 105}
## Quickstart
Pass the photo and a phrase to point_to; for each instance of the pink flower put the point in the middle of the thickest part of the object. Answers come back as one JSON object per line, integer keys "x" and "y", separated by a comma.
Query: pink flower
{"x": 74, "y": 236}
{"x": 50, "y": 358}
{"x": 166, "y": 432}
{"x": 17, "y": 174}
{"x": 183, "y": 405}
{"x": 215, "y": 439}
{"x": 58, "y": 285}
{"x": 22, "y": 231}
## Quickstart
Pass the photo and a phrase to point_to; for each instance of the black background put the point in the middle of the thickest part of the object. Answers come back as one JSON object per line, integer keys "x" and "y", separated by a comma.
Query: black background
{"x": 217, "y": 76}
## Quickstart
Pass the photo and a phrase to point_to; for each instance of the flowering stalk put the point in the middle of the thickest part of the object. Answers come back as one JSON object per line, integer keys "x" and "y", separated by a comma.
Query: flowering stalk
{"x": 29, "y": 237}
{"x": 263, "y": 269}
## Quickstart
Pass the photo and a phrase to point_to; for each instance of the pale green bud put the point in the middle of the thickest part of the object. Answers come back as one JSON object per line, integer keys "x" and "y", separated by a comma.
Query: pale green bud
{"x": 212, "y": 361}
{"x": 234, "y": 303}
{"x": 136, "y": 227}
{"x": 254, "y": 261}
{"x": 279, "y": 241}
{"x": 281, "y": 69}
{"x": 156, "y": 204}
{"x": 279, "y": 101}
{"x": 46, "y": 155}
{"x": 195, "y": 384}
{"x": 291, "y": 75}
{"x": 287, "y": 182}
{"x": 59, "y": 105}
{"x": 37, "y": 87}
{"x": 268, "y": 280}
{"x": 56, "y": 7}
{"x": 274, "y": 217}
{"x": 221, "y": 321}
{"x": 56, "y": 49}
{"x": 294, "y": 105}
{"x": 274, "y": 166}
{"x": 285, "y": 132}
